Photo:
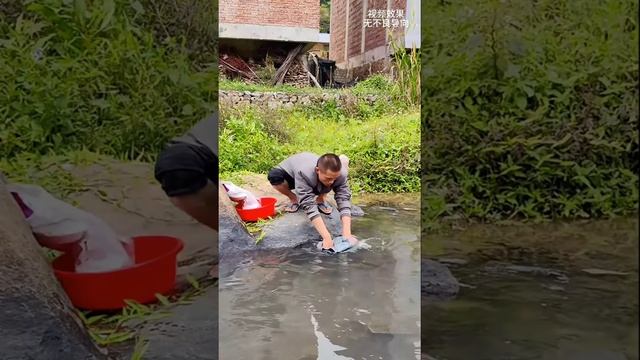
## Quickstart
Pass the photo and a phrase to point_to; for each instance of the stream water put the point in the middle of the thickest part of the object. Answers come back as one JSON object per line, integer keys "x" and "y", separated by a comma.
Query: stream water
{"x": 584, "y": 306}
{"x": 300, "y": 304}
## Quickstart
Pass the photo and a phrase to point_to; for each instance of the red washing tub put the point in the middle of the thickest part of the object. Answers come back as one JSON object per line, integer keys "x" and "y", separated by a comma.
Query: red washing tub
{"x": 267, "y": 210}
{"x": 154, "y": 272}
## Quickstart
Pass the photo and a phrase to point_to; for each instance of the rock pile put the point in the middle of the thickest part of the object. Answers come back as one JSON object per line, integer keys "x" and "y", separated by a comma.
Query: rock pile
{"x": 274, "y": 100}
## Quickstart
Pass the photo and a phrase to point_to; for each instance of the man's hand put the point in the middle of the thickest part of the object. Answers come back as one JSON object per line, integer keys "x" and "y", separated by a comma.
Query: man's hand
{"x": 318, "y": 223}
{"x": 346, "y": 230}
{"x": 352, "y": 239}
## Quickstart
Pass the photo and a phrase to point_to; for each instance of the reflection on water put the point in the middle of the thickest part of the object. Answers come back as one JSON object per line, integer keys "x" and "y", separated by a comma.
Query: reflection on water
{"x": 518, "y": 314}
{"x": 326, "y": 350}
{"x": 300, "y": 304}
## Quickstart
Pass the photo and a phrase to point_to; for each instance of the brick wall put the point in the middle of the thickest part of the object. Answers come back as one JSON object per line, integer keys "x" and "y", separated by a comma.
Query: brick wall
{"x": 355, "y": 25}
{"x": 398, "y": 33}
{"x": 293, "y": 13}
{"x": 364, "y": 71}
{"x": 374, "y": 37}
{"x": 337, "y": 30}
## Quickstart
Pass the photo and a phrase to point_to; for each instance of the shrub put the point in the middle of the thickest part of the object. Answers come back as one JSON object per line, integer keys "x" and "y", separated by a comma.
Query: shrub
{"x": 91, "y": 77}
{"x": 530, "y": 108}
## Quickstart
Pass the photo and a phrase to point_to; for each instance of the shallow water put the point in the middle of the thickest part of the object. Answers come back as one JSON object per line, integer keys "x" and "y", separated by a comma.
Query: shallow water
{"x": 518, "y": 315}
{"x": 300, "y": 304}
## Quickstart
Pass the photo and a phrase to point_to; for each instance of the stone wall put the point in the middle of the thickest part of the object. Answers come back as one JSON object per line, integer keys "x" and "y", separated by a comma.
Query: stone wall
{"x": 274, "y": 100}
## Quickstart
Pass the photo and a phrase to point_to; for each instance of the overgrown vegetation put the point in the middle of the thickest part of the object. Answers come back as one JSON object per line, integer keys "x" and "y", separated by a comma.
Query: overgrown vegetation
{"x": 405, "y": 86}
{"x": 374, "y": 85}
{"x": 50, "y": 171}
{"x": 266, "y": 72}
{"x": 381, "y": 139}
{"x": 325, "y": 16}
{"x": 530, "y": 108}
{"x": 383, "y": 144}
{"x": 95, "y": 75}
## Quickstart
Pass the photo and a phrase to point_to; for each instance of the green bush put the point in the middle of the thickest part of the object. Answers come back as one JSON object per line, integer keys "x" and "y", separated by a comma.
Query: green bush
{"x": 530, "y": 108}
{"x": 373, "y": 84}
{"x": 91, "y": 77}
{"x": 384, "y": 150}
{"x": 245, "y": 145}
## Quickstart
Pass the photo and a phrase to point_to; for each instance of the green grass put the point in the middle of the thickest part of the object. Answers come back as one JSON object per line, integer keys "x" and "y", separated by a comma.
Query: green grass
{"x": 49, "y": 171}
{"x": 384, "y": 148}
{"x": 381, "y": 139}
{"x": 529, "y": 109}
{"x": 110, "y": 329}
{"x": 139, "y": 349}
{"x": 256, "y": 228}
{"x": 93, "y": 77}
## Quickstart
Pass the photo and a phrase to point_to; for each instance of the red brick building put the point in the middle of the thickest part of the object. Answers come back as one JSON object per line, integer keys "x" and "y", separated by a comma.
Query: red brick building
{"x": 362, "y": 32}
{"x": 276, "y": 20}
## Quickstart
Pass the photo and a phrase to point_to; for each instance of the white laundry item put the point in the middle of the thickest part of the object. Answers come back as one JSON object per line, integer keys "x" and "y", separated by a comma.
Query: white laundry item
{"x": 237, "y": 193}
{"x": 55, "y": 223}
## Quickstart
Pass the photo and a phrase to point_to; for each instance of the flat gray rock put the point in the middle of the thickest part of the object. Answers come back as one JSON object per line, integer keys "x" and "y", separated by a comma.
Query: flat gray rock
{"x": 437, "y": 282}
{"x": 294, "y": 230}
{"x": 31, "y": 331}
{"x": 525, "y": 269}
{"x": 190, "y": 333}
{"x": 356, "y": 211}
{"x": 233, "y": 236}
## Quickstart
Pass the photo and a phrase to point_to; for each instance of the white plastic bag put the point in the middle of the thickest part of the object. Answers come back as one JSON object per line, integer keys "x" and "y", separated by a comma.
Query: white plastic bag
{"x": 237, "y": 193}
{"x": 57, "y": 224}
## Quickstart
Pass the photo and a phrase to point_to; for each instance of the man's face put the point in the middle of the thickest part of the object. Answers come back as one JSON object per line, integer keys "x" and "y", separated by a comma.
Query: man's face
{"x": 327, "y": 177}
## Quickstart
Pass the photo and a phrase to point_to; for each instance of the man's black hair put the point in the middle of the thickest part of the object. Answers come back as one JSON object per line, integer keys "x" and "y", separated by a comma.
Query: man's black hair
{"x": 329, "y": 162}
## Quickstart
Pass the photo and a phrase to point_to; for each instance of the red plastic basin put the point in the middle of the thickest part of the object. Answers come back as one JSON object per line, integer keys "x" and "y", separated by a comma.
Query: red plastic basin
{"x": 267, "y": 210}
{"x": 154, "y": 272}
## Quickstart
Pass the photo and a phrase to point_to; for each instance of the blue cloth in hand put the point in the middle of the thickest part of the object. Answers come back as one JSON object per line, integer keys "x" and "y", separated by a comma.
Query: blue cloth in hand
{"x": 341, "y": 244}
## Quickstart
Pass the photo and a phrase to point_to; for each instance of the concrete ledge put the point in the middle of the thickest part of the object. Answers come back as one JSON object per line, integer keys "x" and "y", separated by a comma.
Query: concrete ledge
{"x": 381, "y": 52}
{"x": 268, "y": 32}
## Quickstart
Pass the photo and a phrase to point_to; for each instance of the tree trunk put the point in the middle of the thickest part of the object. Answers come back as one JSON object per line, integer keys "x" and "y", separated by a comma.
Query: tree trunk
{"x": 37, "y": 319}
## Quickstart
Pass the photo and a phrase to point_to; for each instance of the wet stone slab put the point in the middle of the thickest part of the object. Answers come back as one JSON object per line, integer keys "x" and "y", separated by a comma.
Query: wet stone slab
{"x": 190, "y": 333}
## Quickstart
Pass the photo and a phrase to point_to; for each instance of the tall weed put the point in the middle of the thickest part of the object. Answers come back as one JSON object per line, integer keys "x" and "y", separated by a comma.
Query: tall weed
{"x": 406, "y": 84}
{"x": 87, "y": 75}
{"x": 530, "y": 108}
{"x": 384, "y": 150}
